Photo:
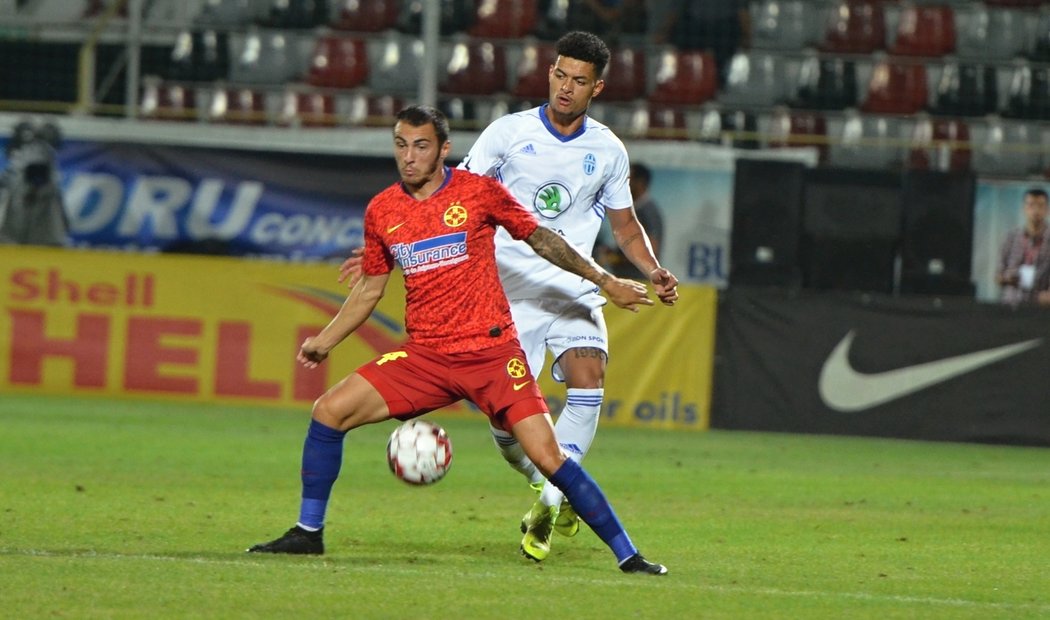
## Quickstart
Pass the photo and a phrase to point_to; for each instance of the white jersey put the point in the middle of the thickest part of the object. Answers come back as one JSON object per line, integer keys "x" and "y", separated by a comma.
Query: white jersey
{"x": 568, "y": 182}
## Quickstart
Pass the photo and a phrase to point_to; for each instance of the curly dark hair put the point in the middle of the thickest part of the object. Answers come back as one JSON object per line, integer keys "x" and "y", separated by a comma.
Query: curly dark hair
{"x": 419, "y": 115}
{"x": 586, "y": 47}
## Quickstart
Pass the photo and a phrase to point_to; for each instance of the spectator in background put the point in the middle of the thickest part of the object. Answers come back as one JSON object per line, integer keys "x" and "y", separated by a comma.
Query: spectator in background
{"x": 721, "y": 26}
{"x": 1024, "y": 261}
{"x": 31, "y": 208}
{"x": 648, "y": 213}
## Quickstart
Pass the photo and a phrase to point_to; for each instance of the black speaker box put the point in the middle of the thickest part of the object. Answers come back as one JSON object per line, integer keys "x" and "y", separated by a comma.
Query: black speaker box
{"x": 767, "y": 199}
{"x": 937, "y": 245}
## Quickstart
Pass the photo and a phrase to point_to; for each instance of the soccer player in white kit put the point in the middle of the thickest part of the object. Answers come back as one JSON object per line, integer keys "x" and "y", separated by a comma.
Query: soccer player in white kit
{"x": 573, "y": 172}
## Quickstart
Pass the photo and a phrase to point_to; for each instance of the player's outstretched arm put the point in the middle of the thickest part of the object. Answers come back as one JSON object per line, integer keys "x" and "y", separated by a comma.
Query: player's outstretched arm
{"x": 634, "y": 243}
{"x": 551, "y": 246}
{"x": 353, "y": 313}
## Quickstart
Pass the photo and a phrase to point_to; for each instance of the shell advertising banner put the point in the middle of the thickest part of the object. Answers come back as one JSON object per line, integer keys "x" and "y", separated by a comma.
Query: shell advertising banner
{"x": 210, "y": 329}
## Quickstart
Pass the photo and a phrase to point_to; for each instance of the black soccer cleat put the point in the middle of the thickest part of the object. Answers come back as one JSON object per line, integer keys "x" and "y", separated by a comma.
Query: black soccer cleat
{"x": 637, "y": 564}
{"x": 295, "y": 541}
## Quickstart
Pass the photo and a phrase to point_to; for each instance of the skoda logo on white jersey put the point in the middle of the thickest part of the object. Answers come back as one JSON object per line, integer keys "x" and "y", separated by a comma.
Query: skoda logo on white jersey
{"x": 552, "y": 200}
{"x": 590, "y": 164}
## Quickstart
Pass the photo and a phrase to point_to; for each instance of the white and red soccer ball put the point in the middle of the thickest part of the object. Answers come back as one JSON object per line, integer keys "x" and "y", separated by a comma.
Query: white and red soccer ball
{"x": 419, "y": 452}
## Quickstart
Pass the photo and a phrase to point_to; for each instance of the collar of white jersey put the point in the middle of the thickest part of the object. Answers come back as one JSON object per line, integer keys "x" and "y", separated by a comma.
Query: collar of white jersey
{"x": 554, "y": 132}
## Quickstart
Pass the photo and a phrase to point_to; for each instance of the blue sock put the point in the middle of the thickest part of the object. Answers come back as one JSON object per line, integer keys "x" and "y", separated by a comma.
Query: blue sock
{"x": 322, "y": 458}
{"x": 589, "y": 502}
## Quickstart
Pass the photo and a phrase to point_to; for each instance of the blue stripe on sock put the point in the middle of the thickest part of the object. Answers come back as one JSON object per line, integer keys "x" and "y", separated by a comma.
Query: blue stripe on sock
{"x": 589, "y": 502}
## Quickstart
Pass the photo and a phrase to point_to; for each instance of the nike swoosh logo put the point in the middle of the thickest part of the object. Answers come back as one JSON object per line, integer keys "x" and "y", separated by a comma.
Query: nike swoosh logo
{"x": 518, "y": 386}
{"x": 844, "y": 389}
{"x": 395, "y": 227}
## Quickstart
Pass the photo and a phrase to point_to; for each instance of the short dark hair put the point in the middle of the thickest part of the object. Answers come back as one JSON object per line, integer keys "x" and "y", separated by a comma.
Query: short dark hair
{"x": 641, "y": 172}
{"x": 419, "y": 115}
{"x": 1037, "y": 193}
{"x": 586, "y": 47}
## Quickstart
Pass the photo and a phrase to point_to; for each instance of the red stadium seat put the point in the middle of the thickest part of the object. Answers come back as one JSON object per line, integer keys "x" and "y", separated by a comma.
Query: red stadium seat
{"x": 476, "y": 68}
{"x": 855, "y": 27}
{"x": 667, "y": 123}
{"x": 685, "y": 77}
{"x": 531, "y": 73}
{"x": 338, "y": 62}
{"x": 797, "y": 128}
{"x": 243, "y": 106}
{"x": 925, "y": 30}
{"x": 896, "y": 88}
{"x": 940, "y": 144}
{"x": 309, "y": 109}
{"x": 504, "y": 19}
{"x": 366, "y": 15}
{"x": 625, "y": 75}
{"x": 168, "y": 101}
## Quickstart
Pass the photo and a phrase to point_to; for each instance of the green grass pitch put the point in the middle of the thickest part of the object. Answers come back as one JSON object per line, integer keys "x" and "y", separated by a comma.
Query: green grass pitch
{"x": 126, "y": 509}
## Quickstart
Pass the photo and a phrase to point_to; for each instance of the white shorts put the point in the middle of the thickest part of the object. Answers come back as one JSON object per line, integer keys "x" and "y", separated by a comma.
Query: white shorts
{"x": 559, "y": 325}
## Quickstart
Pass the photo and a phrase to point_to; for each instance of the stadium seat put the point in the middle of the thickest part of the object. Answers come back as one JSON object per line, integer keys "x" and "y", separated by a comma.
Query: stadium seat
{"x": 986, "y": 33}
{"x": 755, "y": 79}
{"x": 1041, "y": 44}
{"x": 395, "y": 64}
{"x": 308, "y": 109}
{"x": 924, "y": 30}
{"x": 199, "y": 55}
{"x": 531, "y": 71}
{"x": 684, "y": 78}
{"x": 866, "y": 141}
{"x": 1004, "y": 147}
{"x": 797, "y": 128}
{"x": 625, "y": 75}
{"x": 826, "y": 83}
{"x": 338, "y": 62}
{"x": 787, "y": 25}
{"x": 504, "y": 19}
{"x": 167, "y": 101}
{"x": 855, "y": 27}
{"x": 940, "y": 144}
{"x": 896, "y": 88}
{"x": 966, "y": 89}
{"x": 476, "y": 68}
{"x": 457, "y": 16}
{"x": 239, "y": 105}
{"x": 267, "y": 57}
{"x": 1028, "y": 96}
{"x": 366, "y": 15}
{"x": 225, "y": 14}
{"x": 292, "y": 14}
{"x": 735, "y": 128}
{"x": 374, "y": 110}
{"x": 665, "y": 122}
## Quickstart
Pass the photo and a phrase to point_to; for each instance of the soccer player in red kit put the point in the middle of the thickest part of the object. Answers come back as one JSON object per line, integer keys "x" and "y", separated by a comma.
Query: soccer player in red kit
{"x": 438, "y": 224}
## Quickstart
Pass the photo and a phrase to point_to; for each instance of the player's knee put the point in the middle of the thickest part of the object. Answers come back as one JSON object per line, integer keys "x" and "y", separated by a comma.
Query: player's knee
{"x": 326, "y": 412}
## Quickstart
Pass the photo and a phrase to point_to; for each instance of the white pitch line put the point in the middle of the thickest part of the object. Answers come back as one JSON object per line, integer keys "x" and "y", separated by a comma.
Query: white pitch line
{"x": 669, "y": 582}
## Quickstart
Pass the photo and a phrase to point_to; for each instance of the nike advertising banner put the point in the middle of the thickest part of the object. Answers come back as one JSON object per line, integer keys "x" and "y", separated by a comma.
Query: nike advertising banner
{"x": 851, "y": 364}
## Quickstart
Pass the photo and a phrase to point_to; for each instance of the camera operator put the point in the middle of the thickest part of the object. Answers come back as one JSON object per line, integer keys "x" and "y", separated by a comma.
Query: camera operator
{"x": 31, "y": 207}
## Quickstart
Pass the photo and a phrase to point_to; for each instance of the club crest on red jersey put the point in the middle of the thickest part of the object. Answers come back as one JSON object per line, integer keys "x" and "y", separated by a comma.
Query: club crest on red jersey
{"x": 516, "y": 368}
{"x": 455, "y": 215}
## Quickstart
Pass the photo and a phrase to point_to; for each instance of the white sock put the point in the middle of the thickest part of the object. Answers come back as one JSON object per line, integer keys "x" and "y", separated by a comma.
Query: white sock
{"x": 575, "y": 431}
{"x": 515, "y": 455}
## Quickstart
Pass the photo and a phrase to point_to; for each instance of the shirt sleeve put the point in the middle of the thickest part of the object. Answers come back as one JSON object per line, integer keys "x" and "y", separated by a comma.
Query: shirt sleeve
{"x": 377, "y": 259}
{"x": 616, "y": 192}
{"x": 487, "y": 154}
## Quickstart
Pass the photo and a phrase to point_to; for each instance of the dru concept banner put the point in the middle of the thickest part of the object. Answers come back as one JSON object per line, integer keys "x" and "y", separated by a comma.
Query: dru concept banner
{"x": 226, "y": 330}
{"x": 851, "y": 364}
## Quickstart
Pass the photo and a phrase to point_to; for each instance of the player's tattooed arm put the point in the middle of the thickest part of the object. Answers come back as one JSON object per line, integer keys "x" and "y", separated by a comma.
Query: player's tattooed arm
{"x": 551, "y": 246}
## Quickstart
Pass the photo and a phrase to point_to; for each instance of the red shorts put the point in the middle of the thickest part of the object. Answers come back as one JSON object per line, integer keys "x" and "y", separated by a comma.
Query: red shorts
{"x": 414, "y": 380}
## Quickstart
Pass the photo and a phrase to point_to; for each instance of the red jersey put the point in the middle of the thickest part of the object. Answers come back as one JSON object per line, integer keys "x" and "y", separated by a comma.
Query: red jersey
{"x": 454, "y": 301}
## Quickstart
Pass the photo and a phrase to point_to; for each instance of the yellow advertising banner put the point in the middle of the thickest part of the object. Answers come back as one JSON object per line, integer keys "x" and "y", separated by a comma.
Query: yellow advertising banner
{"x": 227, "y": 330}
